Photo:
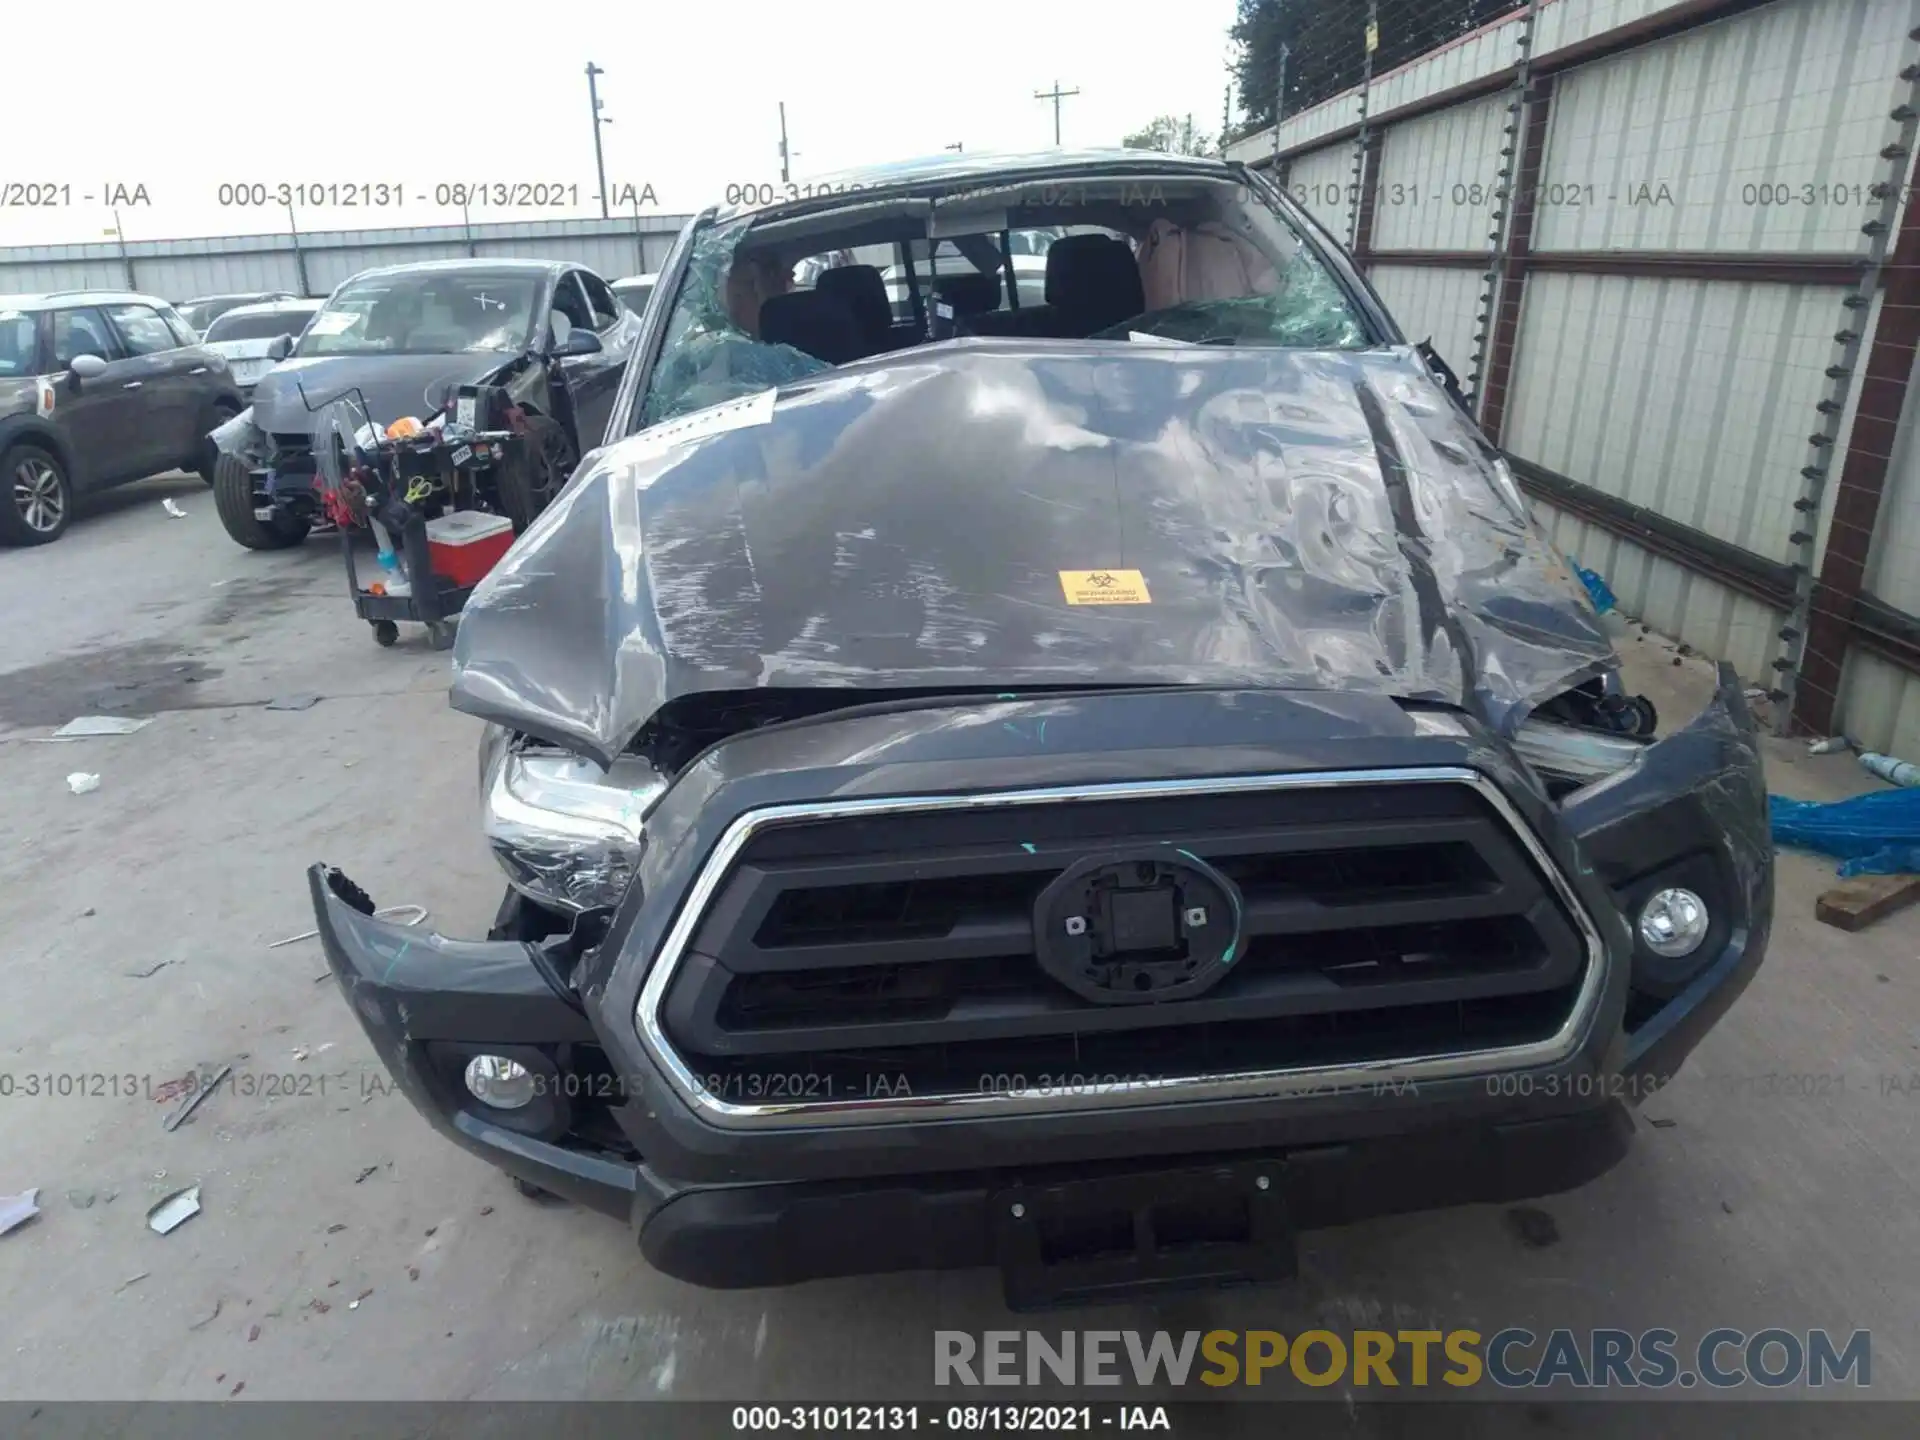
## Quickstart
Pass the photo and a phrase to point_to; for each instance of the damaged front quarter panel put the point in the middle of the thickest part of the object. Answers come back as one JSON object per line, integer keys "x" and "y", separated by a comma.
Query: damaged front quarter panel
{"x": 241, "y": 438}
{"x": 1691, "y": 811}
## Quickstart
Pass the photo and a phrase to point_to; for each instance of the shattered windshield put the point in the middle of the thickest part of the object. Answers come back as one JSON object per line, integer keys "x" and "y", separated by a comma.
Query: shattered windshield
{"x": 708, "y": 357}
{"x": 1306, "y": 311}
{"x": 427, "y": 313}
{"x": 768, "y": 300}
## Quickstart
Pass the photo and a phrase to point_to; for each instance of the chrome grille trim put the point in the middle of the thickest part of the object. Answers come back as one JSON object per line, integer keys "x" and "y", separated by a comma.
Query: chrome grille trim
{"x": 1254, "y": 1084}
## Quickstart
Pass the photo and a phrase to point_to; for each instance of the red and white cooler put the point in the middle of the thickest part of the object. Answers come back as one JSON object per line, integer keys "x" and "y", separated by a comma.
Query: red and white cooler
{"x": 466, "y": 544}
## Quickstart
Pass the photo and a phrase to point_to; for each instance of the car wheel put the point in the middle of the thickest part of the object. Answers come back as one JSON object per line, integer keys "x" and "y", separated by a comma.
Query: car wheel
{"x": 209, "y": 457}
{"x": 233, "y": 498}
{"x": 37, "y": 501}
{"x": 525, "y": 489}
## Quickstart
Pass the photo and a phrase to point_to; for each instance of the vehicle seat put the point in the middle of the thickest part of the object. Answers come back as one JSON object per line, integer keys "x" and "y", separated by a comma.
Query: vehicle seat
{"x": 816, "y": 322}
{"x": 1093, "y": 281}
{"x": 971, "y": 294}
{"x": 864, "y": 293}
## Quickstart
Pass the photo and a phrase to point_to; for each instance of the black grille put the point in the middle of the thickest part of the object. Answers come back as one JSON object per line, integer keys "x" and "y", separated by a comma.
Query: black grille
{"x": 856, "y": 956}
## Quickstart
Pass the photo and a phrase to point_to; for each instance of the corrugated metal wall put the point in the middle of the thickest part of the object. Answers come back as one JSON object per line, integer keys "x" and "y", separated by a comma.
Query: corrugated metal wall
{"x": 180, "y": 269}
{"x": 1322, "y": 181}
{"x": 1640, "y": 366}
{"x": 1792, "y": 94}
{"x": 1434, "y": 305}
{"x": 1438, "y": 182}
{"x": 1690, "y": 397}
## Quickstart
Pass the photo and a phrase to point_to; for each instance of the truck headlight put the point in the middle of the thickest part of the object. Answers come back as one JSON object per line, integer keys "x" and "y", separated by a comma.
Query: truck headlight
{"x": 568, "y": 835}
{"x": 1569, "y": 753}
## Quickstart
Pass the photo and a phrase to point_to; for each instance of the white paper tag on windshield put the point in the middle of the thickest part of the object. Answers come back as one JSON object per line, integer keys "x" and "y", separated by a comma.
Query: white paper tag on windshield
{"x": 463, "y": 410}
{"x": 333, "y": 322}
{"x": 1140, "y": 337}
{"x": 715, "y": 419}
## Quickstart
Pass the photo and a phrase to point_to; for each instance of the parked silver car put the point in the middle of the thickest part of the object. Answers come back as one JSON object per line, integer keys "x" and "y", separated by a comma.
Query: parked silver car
{"x": 246, "y": 334}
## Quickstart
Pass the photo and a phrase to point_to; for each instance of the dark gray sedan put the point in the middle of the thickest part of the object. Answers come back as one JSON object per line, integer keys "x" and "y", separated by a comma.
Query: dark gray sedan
{"x": 553, "y": 333}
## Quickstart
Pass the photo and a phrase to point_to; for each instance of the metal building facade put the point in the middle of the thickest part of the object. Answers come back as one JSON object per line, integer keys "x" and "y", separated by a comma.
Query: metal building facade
{"x": 1691, "y": 355}
{"x": 312, "y": 264}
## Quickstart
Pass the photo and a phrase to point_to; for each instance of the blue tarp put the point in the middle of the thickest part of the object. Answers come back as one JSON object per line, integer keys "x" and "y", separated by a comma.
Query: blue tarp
{"x": 1876, "y": 834}
{"x": 1603, "y": 598}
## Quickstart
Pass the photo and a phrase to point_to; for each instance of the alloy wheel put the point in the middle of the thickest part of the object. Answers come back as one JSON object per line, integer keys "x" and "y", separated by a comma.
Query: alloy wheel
{"x": 39, "y": 495}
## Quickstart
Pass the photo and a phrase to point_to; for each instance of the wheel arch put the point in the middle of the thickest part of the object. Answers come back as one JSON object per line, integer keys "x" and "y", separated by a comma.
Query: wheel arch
{"x": 33, "y": 428}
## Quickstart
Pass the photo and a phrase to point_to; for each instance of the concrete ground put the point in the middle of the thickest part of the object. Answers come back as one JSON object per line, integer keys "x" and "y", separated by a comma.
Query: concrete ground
{"x": 343, "y": 1243}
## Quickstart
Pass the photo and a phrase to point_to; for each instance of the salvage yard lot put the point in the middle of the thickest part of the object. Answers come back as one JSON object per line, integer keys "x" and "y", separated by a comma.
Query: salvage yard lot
{"x": 1773, "y": 1185}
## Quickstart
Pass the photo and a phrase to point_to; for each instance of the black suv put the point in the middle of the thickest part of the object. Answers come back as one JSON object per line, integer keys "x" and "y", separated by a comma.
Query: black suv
{"x": 97, "y": 388}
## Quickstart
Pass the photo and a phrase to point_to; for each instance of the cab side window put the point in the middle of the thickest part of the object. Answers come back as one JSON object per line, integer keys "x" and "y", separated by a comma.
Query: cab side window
{"x": 143, "y": 329}
{"x": 568, "y": 300}
{"x": 81, "y": 332}
{"x": 606, "y": 309}
{"x": 183, "y": 335}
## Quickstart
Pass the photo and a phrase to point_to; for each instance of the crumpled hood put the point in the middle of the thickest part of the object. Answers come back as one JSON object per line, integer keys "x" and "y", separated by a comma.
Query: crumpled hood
{"x": 1298, "y": 519}
{"x": 394, "y": 385}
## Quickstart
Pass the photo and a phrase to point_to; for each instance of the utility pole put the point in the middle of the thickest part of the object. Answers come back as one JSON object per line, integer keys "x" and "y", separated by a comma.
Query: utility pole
{"x": 599, "y": 159}
{"x": 1186, "y": 144}
{"x": 1056, "y": 95}
{"x": 1226, "y": 118}
{"x": 126, "y": 260}
{"x": 1280, "y": 101}
{"x": 784, "y": 156}
{"x": 299, "y": 257}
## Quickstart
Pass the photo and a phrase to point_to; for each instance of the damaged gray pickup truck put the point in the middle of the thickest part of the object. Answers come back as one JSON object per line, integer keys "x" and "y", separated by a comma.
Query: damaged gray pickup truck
{"x": 1092, "y": 788}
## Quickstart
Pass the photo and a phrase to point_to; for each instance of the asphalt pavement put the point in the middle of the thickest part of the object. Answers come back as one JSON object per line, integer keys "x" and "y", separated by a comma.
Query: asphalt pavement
{"x": 341, "y": 1242}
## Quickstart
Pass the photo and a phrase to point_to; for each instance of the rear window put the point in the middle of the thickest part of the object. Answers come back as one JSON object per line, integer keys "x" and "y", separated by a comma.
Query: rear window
{"x": 265, "y": 326}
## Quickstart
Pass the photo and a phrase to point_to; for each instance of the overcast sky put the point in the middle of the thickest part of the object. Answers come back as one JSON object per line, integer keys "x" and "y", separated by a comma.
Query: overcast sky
{"x": 182, "y": 97}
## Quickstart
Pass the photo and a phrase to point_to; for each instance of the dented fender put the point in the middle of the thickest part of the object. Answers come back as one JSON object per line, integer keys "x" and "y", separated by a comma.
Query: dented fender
{"x": 244, "y": 440}
{"x": 1693, "y": 806}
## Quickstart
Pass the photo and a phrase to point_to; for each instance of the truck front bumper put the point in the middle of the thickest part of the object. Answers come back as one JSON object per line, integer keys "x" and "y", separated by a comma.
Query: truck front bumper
{"x": 421, "y": 997}
{"x": 729, "y": 1207}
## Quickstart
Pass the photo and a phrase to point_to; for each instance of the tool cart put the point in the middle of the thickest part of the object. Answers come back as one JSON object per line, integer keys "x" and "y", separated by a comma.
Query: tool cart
{"x": 430, "y": 495}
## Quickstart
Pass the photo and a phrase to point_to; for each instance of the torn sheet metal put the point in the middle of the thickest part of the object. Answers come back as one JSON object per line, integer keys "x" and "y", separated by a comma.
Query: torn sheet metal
{"x": 1301, "y": 520}
{"x": 175, "y": 1210}
{"x": 89, "y": 726}
{"x": 17, "y": 1210}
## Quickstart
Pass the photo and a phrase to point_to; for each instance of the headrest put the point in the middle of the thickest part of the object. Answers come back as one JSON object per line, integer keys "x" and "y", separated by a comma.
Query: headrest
{"x": 864, "y": 292}
{"x": 815, "y": 321}
{"x": 1096, "y": 277}
{"x": 970, "y": 294}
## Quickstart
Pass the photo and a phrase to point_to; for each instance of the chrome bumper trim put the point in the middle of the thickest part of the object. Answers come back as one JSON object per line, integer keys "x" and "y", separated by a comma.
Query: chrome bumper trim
{"x": 1246, "y": 1085}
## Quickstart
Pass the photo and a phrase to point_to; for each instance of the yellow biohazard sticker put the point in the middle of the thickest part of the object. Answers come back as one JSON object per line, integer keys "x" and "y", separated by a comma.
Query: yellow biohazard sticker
{"x": 1105, "y": 587}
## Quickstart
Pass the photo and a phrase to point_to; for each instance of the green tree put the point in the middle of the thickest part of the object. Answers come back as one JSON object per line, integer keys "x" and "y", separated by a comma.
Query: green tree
{"x": 1170, "y": 136}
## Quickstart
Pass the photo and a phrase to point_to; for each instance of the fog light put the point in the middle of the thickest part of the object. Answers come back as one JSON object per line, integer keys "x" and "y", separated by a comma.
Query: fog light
{"x": 1673, "y": 923}
{"x": 502, "y": 1083}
